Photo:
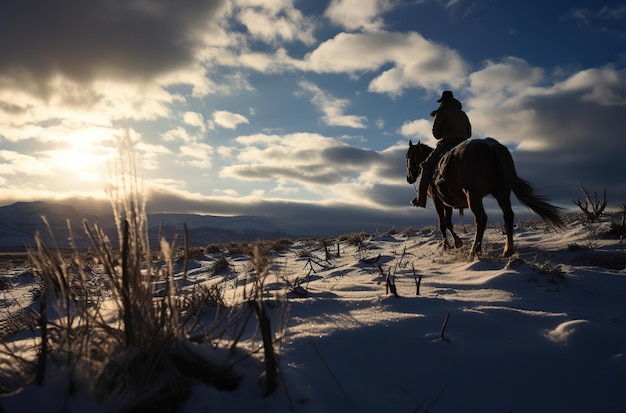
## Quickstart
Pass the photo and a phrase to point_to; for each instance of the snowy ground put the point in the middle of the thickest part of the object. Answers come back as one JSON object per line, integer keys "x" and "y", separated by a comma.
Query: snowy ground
{"x": 543, "y": 331}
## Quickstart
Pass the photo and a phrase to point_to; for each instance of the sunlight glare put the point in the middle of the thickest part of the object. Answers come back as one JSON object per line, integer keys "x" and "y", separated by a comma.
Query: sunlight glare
{"x": 85, "y": 165}
{"x": 85, "y": 157}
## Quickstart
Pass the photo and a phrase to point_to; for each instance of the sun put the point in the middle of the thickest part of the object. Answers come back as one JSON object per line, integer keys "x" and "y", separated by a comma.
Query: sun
{"x": 86, "y": 162}
{"x": 80, "y": 154}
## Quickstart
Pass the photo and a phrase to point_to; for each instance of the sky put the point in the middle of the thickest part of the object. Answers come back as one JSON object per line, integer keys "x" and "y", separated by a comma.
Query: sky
{"x": 301, "y": 111}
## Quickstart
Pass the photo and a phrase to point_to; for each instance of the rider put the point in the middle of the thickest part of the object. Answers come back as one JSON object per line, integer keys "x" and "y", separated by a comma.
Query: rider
{"x": 451, "y": 126}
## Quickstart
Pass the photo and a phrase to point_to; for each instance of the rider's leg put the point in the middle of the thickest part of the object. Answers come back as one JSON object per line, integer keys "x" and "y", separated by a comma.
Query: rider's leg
{"x": 422, "y": 189}
{"x": 428, "y": 167}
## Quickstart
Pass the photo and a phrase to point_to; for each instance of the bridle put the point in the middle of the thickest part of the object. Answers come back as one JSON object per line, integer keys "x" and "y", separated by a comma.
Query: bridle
{"x": 413, "y": 171}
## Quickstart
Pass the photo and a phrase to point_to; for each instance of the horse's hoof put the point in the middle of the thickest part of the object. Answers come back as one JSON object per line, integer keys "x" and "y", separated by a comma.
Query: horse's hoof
{"x": 476, "y": 253}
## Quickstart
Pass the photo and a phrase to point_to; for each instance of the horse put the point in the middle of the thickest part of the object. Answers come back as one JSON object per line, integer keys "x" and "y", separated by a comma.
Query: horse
{"x": 475, "y": 169}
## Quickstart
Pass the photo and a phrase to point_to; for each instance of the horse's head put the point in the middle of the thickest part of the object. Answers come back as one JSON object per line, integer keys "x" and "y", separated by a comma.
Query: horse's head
{"x": 414, "y": 157}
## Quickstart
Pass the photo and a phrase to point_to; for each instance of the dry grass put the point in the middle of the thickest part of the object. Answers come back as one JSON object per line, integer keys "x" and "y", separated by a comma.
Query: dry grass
{"x": 131, "y": 347}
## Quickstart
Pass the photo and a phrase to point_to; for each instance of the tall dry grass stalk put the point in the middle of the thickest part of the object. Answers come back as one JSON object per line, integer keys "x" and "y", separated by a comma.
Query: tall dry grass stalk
{"x": 123, "y": 341}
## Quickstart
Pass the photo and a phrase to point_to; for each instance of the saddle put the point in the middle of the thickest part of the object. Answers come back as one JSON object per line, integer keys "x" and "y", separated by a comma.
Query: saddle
{"x": 439, "y": 175}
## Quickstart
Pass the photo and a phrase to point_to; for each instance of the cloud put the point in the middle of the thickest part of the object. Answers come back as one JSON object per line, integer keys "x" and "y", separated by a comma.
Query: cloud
{"x": 150, "y": 154}
{"x": 273, "y": 21}
{"x": 197, "y": 154}
{"x": 77, "y": 115}
{"x": 420, "y": 129}
{"x": 318, "y": 167}
{"x": 178, "y": 134}
{"x": 98, "y": 62}
{"x": 195, "y": 119}
{"x": 603, "y": 86}
{"x": 512, "y": 75}
{"x": 415, "y": 61}
{"x": 607, "y": 19}
{"x": 228, "y": 120}
{"x": 515, "y": 102}
{"x": 332, "y": 107}
{"x": 358, "y": 14}
{"x": 83, "y": 41}
{"x": 301, "y": 158}
{"x": 15, "y": 163}
{"x": 304, "y": 218}
{"x": 553, "y": 126}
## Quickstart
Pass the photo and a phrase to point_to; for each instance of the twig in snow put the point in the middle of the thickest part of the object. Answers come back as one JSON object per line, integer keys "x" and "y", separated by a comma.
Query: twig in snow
{"x": 443, "y": 327}
{"x": 391, "y": 285}
{"x": 418, "y": 281}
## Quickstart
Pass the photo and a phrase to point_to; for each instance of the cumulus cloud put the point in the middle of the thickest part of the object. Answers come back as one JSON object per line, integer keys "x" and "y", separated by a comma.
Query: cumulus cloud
{"x": 603, "y": 86}
{"x": 194, "y": 119}
{"x": 197, "y": 154}
{"x": 228, "y": 120}
{"x": 415, "y": 61}
{"x": 150, "y": 154}
{"x": 177, "y": 134}
{"x": 513, "y": 101}
{"x": 333, "y": 108}
{"x": 552, "y": 125}
{"x": 512, "y": 75}
{"x": 358, "y": 14}
{"x": 420, "y": 129}
{"x": 275, "y": 20}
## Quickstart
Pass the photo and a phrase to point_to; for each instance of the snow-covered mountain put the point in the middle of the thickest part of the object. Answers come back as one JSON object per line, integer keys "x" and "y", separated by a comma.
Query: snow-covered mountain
{"x": 20, "y": 221}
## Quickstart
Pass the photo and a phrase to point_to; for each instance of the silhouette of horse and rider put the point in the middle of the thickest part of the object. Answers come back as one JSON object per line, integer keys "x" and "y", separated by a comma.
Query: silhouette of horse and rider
{"x": 459, "y": 172}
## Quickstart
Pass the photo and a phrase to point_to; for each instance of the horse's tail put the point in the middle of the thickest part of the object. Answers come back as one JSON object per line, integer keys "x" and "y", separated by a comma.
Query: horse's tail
{"x": 525, "y": 192}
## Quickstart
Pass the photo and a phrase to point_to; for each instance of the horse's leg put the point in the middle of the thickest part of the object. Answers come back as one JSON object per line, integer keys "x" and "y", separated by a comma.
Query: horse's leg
{"x": 480, "y": 219}
{"x": 441, "y": 216}
{"x": 458, "y": 243}
{"x": 504, "y": 200}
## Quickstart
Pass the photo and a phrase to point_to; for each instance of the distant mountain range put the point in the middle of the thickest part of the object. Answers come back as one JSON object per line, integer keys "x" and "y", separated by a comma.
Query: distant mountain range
{"x": 20, "y": 221}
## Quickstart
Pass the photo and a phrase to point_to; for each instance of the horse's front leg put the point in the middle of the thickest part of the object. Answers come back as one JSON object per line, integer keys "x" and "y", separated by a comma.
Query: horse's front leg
{"x": 445, "y": 223}
{"x": 458, "y": 242}
{"x": 442, "y": 228}
{"x": 441, "y": 218}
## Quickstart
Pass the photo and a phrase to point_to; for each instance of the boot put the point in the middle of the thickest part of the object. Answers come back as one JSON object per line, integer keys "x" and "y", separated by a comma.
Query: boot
{"x": 422, "y": 188}
{"x": 420, "y": 200}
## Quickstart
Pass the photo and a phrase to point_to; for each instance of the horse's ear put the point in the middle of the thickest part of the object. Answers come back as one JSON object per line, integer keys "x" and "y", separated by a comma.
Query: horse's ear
{"x": 410, "y": 142}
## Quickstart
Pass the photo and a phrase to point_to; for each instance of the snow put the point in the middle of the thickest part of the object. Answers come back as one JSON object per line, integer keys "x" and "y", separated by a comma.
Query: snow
{"x": 542, "y": 331}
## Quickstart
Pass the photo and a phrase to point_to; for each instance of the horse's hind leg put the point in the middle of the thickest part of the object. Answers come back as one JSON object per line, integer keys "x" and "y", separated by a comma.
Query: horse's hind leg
{"x": 504, "y": 200}
{"x": 480, "y": 219}
{"x": 444, "y": 214}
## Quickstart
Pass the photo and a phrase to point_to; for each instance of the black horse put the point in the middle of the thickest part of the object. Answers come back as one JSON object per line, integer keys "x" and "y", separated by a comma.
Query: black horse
{"x": 476, "y": 168}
